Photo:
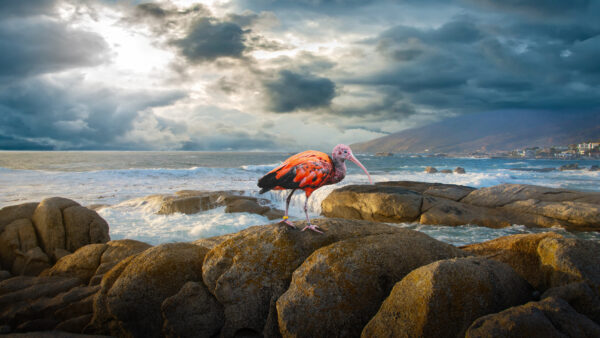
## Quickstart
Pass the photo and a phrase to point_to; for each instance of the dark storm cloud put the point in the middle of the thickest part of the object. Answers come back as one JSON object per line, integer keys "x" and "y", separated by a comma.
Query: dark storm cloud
{"x": 163, "y": 17}
{"x": 209, "y": 39}
{"x": 40, "y": 45}
{"x": 67, "y": 114}
{"x": 536, "y": 7}
{"x": 292, "y": 91}
{"x": 12, "y": 8}
{"x": 468, "y": 65}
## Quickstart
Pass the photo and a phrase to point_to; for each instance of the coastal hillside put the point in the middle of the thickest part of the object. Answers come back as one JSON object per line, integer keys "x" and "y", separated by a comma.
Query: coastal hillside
{"x": 491, "y": 131}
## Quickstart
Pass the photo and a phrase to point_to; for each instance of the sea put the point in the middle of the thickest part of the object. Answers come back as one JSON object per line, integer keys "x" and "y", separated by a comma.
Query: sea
{"x": 121, "y": 180}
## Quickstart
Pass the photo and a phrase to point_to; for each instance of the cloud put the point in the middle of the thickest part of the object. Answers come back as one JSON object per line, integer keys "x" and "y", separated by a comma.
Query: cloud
{"x": 67, "y": 113}
{"x": 10, "y": 8}
{"x": 293, "y": 91}
{"x": 40, "y": 45}
{"x": 209, "y": 39}
{"x": 535, "y": 7}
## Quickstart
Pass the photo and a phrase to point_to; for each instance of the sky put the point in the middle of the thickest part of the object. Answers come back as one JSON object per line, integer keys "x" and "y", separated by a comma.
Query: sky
{"x": 281, "y": 74}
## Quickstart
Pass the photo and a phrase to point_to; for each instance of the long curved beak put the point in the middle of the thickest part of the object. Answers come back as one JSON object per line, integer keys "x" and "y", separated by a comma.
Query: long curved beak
{"x": 353, "y": 159}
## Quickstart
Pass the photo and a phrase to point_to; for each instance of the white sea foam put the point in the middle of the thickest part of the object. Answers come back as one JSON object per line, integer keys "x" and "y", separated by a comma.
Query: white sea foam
{"x": 131, "y": 216}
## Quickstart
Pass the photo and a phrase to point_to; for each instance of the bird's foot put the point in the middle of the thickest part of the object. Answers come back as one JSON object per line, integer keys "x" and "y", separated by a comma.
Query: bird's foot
{"x": 289, "y": 223}
{"x": 314, "y": 228}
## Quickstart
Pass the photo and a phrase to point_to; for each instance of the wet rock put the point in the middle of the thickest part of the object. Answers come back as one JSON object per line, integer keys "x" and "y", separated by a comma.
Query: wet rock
{"x": 272, "y": 214}
{"x": 459, "y": 170}
{"x": 447, "y": 212}
{"x": 445, "y": 297}
{"x": 135, "y": 310}
{"x": 250, "y": 270}
{"x": 192, "y": 312}
{"x": 446, "y": 171}
{"x": 594, "y": 168}
{"x": 504, "y": 194}
{"x": 570, "y": 166}
{"x": 431, "y": 170}
{"x": 497, "y": 206}
{"x": 551, "y": 317}
{"x": 339, "y": 287}
{"x": 375, "y": 203}
{"x": 246, "y": 205}
{"x": 186, "y": 205}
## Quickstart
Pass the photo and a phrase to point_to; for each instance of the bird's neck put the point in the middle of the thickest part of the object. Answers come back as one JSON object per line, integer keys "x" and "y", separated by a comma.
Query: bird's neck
{"x": 339, "y": 173}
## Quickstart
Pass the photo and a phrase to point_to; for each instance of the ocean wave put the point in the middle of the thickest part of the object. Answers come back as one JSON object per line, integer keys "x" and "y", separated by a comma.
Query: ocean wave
{"x": 260, "y": 167}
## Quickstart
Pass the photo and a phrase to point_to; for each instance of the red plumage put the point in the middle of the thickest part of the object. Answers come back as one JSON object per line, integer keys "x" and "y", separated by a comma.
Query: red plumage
{"x": 308, "y": 170}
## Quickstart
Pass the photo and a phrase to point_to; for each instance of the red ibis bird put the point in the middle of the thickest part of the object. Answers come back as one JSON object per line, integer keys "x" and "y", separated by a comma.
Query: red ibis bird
{"x": 308, "y": 171}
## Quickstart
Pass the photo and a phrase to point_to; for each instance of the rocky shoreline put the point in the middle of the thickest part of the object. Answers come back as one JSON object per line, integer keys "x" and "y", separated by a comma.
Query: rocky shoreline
{"x": 447, "y": 204}
{"x": 359, "y": 278}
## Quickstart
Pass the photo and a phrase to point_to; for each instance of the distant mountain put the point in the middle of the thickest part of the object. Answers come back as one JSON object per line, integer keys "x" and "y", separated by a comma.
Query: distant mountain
{"x": 491, "y": 131}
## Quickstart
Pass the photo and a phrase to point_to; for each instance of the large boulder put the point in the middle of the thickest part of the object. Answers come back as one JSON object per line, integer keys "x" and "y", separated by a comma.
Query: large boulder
{"x": 445, "y": 297}
{"x": 546, "y": 260}
{"x": 48, "y": 222}
{"x": 440, "y": 211}
{"x": 30, "y": 263}
{"x": 339, "y": 288}
{"x": 131, "y": 298}
{"x": 518, "y": 251}
{"x": 19, "y": 235}
{"x": 95, "y": 259}
{"x": 83, "y": 226}
{"x": 250, "y": 270}
{"x": 192, "y": 312}
{"x": 58, "y": 226}
{"x": 374, "y": 203}
{"x": 14, "y": 212}
{"x": 567, "y": 260}
{"x": 27, "y": 299}
{"x": 82, "y": 263}
{"x": 580, "y": 296}
{"x": 504, "y": 194}
{"x": 551, "y": 317}
{"x": 443, "y": 204}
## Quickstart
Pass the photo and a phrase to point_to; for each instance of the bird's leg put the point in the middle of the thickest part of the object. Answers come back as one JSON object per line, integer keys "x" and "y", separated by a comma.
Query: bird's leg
{"x": 309, "y": 226}
{"x": 287, "y": 206}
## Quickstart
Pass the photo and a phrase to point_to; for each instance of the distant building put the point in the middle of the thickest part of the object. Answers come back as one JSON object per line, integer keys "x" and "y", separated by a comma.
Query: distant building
{"x": 587, "y": 148}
